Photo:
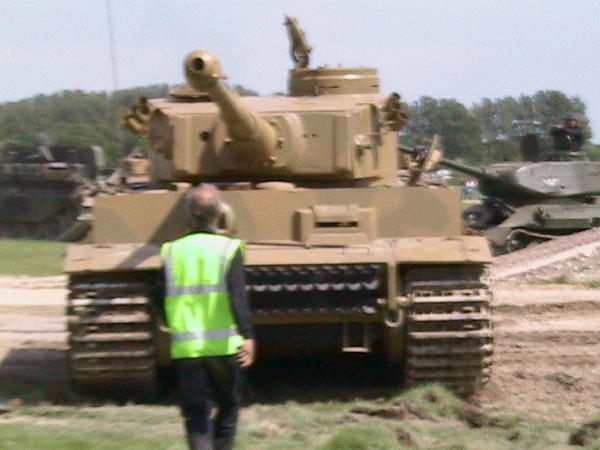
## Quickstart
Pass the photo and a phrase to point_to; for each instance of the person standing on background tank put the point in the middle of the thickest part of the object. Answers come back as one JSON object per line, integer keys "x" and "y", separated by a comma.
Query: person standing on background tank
{"x": 572, "y": 130}
{"x": 206, "y": 310}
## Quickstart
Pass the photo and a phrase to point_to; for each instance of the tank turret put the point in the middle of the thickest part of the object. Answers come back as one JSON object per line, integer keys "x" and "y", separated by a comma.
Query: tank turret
{"x": 345, "y": 137}
{"x": 523, "y": 182}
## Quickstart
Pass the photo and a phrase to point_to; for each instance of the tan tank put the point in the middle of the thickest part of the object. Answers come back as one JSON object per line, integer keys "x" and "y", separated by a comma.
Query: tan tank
{"x": 342, "y": 256}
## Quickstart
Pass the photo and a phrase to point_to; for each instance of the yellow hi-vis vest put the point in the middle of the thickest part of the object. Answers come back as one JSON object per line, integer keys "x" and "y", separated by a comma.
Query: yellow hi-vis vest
{"x": 197, "y": 305}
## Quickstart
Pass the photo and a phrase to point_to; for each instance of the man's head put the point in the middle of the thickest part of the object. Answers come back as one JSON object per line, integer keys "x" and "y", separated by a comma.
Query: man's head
{"x": 203, "y": 205}
{"x": 571, "y": 121}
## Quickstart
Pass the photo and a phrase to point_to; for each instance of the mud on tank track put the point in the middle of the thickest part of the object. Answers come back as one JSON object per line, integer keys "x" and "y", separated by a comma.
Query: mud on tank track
{"x": 449, "y": 329}
{"x": 112, "y": 333}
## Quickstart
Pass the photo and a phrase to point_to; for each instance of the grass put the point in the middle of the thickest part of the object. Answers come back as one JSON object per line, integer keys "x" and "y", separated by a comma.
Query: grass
{"x": 564, "y": 279}
{"x": 33, "y": 258}
{"x": 560, "y": 279}
{"x": 426, "y": 417}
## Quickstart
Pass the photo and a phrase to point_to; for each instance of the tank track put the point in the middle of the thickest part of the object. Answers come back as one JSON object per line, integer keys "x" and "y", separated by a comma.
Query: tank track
{"x": 50, "y": 229}
{"x": 112, "y": 335}
{"x": 449, "y": 328}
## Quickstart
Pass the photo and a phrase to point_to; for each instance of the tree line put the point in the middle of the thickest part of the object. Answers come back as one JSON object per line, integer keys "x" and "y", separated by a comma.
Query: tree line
{"x": 490, "y": 130}
{"x": 487, "y": 132}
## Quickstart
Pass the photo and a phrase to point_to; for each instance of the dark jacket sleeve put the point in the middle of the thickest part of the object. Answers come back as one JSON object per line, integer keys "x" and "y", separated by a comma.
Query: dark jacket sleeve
{"x": 236, "y": 285}
{"x": 158, "y": 291}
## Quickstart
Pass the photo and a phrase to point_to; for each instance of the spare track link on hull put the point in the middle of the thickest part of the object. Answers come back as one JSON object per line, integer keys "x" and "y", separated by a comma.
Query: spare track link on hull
{"x": 449, "y": 328}
{"x": 111, "y": 335}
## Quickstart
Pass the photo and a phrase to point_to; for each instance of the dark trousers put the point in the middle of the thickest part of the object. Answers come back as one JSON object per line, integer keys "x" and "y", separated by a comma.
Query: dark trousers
{"x": 200, "y": 380}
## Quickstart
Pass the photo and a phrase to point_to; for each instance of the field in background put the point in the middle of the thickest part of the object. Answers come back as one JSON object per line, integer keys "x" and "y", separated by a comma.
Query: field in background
{"x": 33, "y": 258}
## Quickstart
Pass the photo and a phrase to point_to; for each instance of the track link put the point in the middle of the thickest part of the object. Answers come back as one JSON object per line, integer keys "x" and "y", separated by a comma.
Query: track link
{"x": 449, "y": 329}
{"x": 112, "y": 335}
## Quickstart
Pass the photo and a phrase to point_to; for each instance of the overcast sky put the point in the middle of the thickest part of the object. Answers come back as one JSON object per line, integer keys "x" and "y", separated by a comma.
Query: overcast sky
{"x": 462, "y": 49}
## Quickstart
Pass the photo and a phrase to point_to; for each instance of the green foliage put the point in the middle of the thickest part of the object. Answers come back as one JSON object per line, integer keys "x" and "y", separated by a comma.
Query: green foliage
{"x": 75, "y": 118}
{"x": 505, "y": 120}
{"x": 80, "y": 118}
{"x": 434, "y": 418}
{"x": 33, "y": 258}
{"x": 491, "y": 130}
{"x": 79, "y": 435}
{"x": 592, "y": 284}
{"x": 446, "y": 117}
{"x": 487, "y": 132}
{"x": 592, "y": 150}
{"x": 561, "y": 279}
{"x": 361, "y": 438}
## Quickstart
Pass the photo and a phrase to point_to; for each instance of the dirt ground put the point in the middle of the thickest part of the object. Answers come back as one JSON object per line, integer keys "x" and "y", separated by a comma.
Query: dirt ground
{"x": 547, "y": 345}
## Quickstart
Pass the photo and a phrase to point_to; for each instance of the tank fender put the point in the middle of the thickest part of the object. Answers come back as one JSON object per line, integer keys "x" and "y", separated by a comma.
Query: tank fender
{"x": 442, "y": 250}
{"x": 112, "y": 258}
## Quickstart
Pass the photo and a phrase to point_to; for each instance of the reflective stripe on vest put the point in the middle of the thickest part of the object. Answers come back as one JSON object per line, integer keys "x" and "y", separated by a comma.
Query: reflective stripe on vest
{"x": 210, "y": 334}
{"x": 199, "y": 314}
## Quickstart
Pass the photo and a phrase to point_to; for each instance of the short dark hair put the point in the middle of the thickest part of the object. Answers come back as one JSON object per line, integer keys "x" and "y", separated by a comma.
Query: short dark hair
{"x": 203, "y": 204}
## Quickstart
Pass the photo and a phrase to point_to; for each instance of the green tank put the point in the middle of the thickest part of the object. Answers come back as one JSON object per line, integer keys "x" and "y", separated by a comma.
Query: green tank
{"x": 43, "y": 190}
{"x": 551, "y": 194}
{"x": 342, "y": 256}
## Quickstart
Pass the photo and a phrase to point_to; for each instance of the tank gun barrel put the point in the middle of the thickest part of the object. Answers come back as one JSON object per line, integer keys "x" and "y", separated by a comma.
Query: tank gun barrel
{"x": 254, "y": 137}
{"x": 423, "y": 154}
{"x": 469, "y": 170}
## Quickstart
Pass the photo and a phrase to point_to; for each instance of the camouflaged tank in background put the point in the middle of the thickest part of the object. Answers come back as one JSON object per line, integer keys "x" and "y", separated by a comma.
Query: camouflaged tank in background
{"x": 342, "y": 256}
{"x": 43, "y": 190}
{"x": 549, "y": 194}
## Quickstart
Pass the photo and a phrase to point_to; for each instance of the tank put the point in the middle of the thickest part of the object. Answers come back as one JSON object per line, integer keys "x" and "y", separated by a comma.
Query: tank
{"x": 551, "y": 194}
{"x": 44, "y": 190}
{"x": 342, "y": 257}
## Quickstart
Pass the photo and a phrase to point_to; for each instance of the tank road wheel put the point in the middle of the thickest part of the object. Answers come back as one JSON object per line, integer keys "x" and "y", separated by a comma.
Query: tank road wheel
{"x": 112, "y": 335}
{"x": 449, "y": 329}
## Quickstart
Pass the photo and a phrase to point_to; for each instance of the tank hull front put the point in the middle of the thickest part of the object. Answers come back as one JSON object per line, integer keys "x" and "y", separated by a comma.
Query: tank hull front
{"x": 328, "y": 271}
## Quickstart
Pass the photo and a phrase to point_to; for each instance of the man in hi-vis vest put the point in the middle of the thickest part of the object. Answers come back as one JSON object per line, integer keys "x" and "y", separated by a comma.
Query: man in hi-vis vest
{"x": 206, "y": 310}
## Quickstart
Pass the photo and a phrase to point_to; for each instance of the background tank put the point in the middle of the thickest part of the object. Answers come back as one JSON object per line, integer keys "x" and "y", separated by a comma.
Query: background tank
{"x": 43, "y": 189}
{"x": 341, "y": 256}
{"x": 552, "y": 194}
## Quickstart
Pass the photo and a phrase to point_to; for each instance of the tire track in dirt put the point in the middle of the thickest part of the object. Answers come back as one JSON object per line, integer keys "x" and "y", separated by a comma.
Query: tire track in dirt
{"x": 547, "y": 352}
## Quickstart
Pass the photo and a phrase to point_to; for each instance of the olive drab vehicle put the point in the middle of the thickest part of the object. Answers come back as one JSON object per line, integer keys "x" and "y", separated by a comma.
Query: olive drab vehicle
{"x": 44, "y": 190}
{"x": 549, "y": 194}
{"x": 341, "y": 255}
